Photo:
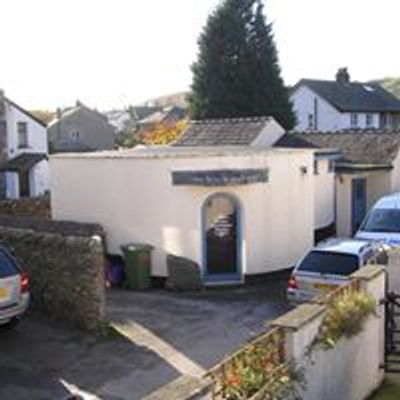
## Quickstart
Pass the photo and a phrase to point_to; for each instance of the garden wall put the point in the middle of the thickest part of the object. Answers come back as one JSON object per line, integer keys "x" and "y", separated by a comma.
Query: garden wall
{"x": 37, "y": 206}
{"x": 393, "y": 270}
{"x": 65, "y": 263}
{"x": 351, "y": 370}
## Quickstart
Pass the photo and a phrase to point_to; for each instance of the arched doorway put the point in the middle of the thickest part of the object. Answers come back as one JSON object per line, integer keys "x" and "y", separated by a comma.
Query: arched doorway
{"x": 221, "y": 222}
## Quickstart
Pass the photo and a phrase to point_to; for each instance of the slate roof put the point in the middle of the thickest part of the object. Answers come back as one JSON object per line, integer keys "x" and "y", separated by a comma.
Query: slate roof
{"x": 223, "y": 132}
{"x": 23, "y": 162}
{"x": 166, "y": 114}
{"x": 142, "y": 112}
{"x": 366, "y": 147}
{"x": 353, "y": 96}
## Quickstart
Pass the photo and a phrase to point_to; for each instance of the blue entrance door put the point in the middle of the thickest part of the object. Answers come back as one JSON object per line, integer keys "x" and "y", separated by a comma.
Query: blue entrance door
{"x": 222, "y": 254}
{"x": 359, "y": 202}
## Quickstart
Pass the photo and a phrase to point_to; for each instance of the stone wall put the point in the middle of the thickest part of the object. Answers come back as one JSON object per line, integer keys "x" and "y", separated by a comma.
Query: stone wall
{"x": 66, "y": 272}
{"x": 38, "y": 206}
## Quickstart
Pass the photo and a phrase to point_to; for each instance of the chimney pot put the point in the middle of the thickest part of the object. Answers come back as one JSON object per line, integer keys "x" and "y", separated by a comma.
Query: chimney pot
{"x": 343, "y": 76}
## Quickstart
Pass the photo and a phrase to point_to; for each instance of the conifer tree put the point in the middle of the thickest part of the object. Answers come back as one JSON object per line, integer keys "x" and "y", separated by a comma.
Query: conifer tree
{"x": 237, "y": 72}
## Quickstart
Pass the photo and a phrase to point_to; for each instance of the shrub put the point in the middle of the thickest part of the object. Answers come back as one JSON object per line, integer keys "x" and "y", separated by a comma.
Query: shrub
{"x": 345, "y": 317}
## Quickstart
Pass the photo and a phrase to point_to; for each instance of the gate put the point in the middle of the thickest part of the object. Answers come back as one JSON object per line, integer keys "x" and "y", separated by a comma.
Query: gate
{"x": 392, "y": 333}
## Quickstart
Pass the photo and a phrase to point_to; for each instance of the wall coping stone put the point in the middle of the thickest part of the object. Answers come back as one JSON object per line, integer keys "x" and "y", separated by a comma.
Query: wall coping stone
{"x": 300, "y": 316}
{"x": 56, "y": 227}
{"x": 183, "y": 388}
{"x": 368, "y": 272}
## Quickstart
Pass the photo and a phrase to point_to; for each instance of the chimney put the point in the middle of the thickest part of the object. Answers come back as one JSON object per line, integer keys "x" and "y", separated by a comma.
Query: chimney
{"x": 343, "y": 76}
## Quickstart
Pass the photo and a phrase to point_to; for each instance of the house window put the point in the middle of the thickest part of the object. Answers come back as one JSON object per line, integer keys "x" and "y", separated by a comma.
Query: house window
{"x": 354, "y": 120}
{"x": 22, "y": 135}
{"x": 75, "y": 136}
{"x": 369, "y": 120}
{"x": 383, "y": 120}
{"x": 316, "y": 167}
{"x": 331, "y": 166}
{"x": 310, "y": 122}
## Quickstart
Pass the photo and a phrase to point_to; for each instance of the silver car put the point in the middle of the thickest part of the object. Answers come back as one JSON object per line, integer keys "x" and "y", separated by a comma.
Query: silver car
{"x": 330, "y": 265}
{"x": 14, "y": 289}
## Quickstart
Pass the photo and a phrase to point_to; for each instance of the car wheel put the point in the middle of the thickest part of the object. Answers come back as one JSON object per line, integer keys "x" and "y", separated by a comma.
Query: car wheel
{"x": 12, "y": 324}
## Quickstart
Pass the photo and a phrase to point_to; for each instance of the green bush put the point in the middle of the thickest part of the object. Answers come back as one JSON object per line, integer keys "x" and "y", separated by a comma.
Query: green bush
{"x": 345, "y": 317}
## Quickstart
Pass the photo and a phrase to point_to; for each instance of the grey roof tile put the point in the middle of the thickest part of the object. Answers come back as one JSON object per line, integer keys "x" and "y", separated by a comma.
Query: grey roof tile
{"x": 375, "y": 147}
{"x": 223, "y": 132}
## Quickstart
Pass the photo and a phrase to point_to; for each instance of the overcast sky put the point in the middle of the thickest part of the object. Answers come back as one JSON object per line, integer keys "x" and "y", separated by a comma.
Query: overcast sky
{"x": 110, "y": 53}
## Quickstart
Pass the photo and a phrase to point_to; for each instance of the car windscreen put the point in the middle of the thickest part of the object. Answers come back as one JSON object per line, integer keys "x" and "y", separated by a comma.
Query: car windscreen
{"x": 7, "y": 266}
{"x": 324, "y": 262}
{"x": 382, "y": 220}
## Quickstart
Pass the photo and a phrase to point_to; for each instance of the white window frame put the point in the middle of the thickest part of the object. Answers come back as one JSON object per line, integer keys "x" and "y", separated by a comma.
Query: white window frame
{"x": 354, "y": 120}
{"x": 369, "y": 120}
{"x": 22, "y": 135}
{"x": 311, "y": 122}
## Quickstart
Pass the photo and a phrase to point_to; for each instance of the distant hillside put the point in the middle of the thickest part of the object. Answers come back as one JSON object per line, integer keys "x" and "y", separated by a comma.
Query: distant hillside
{"x": 391, "y": 84}
{"x": 44, "y": 115}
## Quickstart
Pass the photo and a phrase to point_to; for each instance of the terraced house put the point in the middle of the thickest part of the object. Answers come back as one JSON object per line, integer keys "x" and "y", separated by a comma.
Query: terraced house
{"x": 24, "y": 167}
{"x": 343, "y": 104}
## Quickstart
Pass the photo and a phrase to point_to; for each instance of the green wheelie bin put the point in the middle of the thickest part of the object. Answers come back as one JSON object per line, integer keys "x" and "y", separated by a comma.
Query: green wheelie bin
{"x": 137, "y": 265}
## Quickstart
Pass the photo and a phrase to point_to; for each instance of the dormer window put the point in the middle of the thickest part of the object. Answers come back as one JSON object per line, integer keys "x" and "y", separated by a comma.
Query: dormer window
{"x": 354, "y": 120}
{"x": 22, "y": 128}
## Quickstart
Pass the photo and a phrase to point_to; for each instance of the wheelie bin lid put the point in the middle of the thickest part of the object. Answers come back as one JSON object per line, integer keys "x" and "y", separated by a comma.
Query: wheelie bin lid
{"x": 137, "y": 247}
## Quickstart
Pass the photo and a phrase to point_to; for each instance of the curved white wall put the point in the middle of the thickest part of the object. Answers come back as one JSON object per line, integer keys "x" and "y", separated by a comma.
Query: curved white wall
{"x": 134, "y": 200}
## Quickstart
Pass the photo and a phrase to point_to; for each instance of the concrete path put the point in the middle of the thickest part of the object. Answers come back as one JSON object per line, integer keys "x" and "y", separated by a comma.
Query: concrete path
{"x": 161, "y": 336}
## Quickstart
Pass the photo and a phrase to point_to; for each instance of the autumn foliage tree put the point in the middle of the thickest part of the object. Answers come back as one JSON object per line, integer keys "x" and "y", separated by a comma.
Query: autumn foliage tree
{"x": 163, "y": 133}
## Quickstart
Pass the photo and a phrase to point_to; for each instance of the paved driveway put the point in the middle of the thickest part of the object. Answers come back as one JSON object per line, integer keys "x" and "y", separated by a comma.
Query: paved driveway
{"x": 161, "y": 336}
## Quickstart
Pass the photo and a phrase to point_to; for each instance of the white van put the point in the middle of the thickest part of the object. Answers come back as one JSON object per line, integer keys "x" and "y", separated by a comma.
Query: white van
{"x": 382, "y": 224}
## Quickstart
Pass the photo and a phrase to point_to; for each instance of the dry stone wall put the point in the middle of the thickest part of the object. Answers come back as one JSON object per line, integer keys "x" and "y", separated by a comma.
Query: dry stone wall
{"x": 37, "y": 206}
{"x": 66, "y": 272}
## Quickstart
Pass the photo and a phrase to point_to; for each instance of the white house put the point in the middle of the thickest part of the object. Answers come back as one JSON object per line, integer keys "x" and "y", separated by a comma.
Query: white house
{"x": 237, "y": 211}
{"x": 342, "y": 104}
{"x": 24, "y": 152}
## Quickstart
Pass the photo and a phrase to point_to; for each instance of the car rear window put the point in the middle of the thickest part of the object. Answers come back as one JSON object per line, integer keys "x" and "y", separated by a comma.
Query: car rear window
{"x": 329, "y": 263}
{"x": 7, "y": 266}
{"x": 382, "y": 220}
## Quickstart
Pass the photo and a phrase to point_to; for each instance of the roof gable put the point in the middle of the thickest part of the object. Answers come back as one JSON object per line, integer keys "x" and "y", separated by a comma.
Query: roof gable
{"x": 81, "y": 111}
{"x": 23, "y": 111}
{"x": 353, "y": 96}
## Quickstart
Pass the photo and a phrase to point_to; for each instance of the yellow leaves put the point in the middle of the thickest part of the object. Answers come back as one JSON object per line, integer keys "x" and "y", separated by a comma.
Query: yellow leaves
{"x": 345, "y": 317}
{"x": 164, "y": 133}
